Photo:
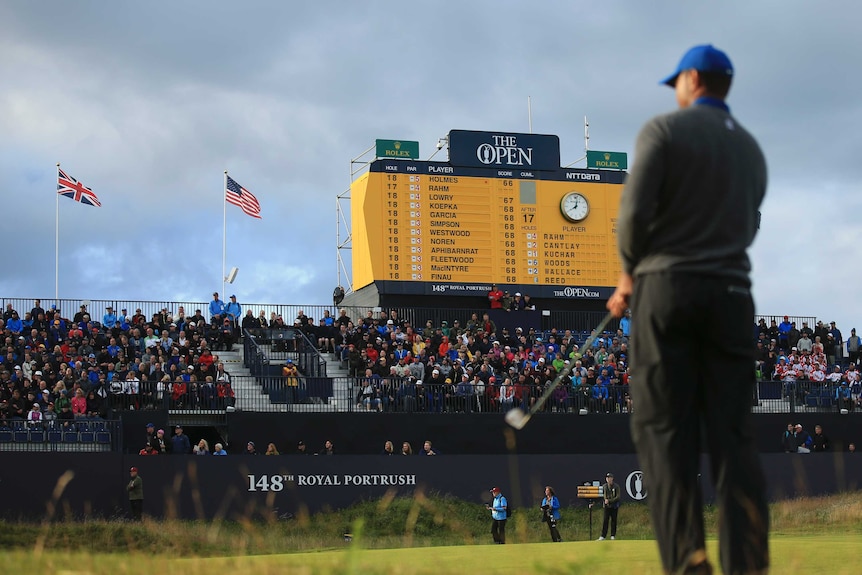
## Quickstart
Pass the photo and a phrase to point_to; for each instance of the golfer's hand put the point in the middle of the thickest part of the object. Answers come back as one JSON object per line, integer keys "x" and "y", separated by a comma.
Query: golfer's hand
{"x": 619, "y": 301}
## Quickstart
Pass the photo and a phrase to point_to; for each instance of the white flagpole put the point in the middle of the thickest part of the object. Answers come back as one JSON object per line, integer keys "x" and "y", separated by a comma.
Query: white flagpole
{"x": 224, "y": 233}
{"x": 57, "y": 245}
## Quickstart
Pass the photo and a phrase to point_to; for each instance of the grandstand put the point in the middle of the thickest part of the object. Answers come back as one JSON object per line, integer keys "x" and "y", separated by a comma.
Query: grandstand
{"x": 170, "y": 358}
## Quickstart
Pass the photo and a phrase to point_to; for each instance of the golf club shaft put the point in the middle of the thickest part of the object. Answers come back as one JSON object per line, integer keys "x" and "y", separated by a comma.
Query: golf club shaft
{"x": 568, "y": 368}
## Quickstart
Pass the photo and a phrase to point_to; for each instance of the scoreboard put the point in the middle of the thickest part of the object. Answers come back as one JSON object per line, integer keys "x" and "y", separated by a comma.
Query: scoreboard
{"x": 510, "y": 216}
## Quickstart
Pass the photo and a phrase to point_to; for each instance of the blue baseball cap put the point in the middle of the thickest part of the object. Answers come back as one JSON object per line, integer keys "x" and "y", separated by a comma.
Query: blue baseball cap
{"x": 705, "y": 58}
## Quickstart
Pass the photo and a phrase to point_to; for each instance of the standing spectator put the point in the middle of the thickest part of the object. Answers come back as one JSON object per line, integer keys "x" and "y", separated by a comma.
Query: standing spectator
{"x": 803, "y": 439}
{"x": 216, "y": 308}
{"x": 427, "y": 449}
{"x": 783, "y": 334}
{"x": 626, "y": 323}
{"x": 495, "y": 297}
{"x": 499, "y": 509}
{"x": 250, "y": 449}
{"x": 683, "y": 278}
{"x": 136, "y": 494}
{"x": 301, "y": 449}
{"x": 611, "y": 506}
{"x": 388, "y": 448}
{"x": 161, "y": 443}
{"x": 328, "y": 448}
{"x": 406, "y": 448}
{"x": 202, "y": 448}
{"x": 151, "y": 433}
{"x": 233, "y": 311}
{"x": 271, "y": 450}
{"x": 551, "y": 513}
{"x": 219, "y": 450}
{"x": 291, "y": 380}
{"x": 180, "y": 444}
{"x": 819, "y": 443}
{"x": 854, "y": 345}
{"x": 838, "y": 342}
{"x": 788, "y": 440}
{"x": 109, "y": 320}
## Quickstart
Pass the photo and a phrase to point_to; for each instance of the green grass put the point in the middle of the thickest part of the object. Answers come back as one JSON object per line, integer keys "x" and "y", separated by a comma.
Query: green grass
{"x": 438, "y": 535}
{"x": 826, "y": 554}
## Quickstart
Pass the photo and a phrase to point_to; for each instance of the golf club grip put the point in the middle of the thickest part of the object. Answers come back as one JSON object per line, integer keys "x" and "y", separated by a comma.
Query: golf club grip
{"x": 568, "y": 368}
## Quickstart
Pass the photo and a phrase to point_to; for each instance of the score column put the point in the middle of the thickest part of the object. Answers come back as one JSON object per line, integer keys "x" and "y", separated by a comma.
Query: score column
{"x": 508, "y": 253}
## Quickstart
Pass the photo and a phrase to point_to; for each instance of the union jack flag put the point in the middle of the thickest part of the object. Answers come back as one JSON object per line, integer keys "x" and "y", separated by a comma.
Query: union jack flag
{"x": 239, "y": 196}
{"x": 72, "y": 188}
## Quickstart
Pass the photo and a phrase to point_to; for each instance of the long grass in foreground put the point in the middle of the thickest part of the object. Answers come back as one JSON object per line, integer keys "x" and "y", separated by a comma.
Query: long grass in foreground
{"x": 388, "y": 523}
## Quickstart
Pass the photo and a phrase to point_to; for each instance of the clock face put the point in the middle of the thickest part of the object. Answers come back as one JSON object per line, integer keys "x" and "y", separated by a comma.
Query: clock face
{"x": 574, "y": 207}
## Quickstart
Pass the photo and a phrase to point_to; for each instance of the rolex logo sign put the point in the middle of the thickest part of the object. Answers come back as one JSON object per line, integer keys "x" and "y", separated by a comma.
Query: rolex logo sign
{"x": 607, "y": 160}
{"x": 397, "y": 149}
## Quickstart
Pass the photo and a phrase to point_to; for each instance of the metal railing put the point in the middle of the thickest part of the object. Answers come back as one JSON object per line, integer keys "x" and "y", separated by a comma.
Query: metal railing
{"x": 261, "y": 347}
{"x": 61, "y": 435}
{"x": 417, "y": 316}
{"x": 272, "y": 392}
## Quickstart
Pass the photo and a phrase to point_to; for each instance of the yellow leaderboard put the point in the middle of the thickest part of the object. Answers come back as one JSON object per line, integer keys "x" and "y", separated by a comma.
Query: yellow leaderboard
{"x": 433, "y": 228}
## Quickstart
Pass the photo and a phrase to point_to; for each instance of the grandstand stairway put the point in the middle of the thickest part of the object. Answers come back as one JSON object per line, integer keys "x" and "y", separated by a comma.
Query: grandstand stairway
{"x": 342, "y": 394}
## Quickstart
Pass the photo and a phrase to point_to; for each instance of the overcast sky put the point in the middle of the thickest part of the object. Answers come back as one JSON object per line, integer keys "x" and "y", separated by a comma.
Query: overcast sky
{"x": 149, "y": 102}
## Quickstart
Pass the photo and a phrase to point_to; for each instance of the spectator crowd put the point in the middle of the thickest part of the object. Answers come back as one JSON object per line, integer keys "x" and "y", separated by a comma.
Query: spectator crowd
{"x": 474, "y": 366}
{"x": 81, "y": 368}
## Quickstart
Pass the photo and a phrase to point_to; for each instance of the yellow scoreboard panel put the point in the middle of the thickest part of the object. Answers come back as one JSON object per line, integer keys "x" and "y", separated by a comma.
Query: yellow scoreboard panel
{"x": 434, "y": 228}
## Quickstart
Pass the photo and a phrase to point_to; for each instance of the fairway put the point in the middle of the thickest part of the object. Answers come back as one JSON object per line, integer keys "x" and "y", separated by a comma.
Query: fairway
{"x": 814, "y": 554}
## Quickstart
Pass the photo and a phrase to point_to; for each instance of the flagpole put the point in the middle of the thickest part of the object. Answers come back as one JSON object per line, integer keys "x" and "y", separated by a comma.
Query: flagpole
{"x": 57, "y": 247}
{"x": 224, "y": 232}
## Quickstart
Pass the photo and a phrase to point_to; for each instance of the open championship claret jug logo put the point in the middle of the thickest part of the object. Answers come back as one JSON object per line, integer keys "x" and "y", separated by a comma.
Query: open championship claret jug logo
{"x": 635, "y": 485}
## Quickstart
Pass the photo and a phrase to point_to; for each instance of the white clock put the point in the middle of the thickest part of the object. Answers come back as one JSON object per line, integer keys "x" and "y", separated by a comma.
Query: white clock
{"x": 574, "y": 207}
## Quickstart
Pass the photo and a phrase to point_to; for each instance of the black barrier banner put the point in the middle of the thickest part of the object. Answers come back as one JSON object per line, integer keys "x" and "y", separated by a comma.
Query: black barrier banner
{"x": 234, "y": 487}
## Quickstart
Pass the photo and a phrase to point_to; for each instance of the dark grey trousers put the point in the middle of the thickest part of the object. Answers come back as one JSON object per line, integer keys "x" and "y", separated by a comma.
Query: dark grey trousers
{"x": 692, "y": 378}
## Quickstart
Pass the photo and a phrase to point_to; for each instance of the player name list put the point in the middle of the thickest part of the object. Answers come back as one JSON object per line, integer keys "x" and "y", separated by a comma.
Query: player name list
{"x": 455, "y": 228}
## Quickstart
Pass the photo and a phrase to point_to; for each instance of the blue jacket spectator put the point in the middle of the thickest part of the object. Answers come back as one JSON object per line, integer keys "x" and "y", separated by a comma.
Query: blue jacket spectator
{"x": 109, "y": 320}
{"x": 180, "y": 442}
{"x": 233, "y": 310}
{"x": 15, "y": 325}
{"x": 216, "y": 306}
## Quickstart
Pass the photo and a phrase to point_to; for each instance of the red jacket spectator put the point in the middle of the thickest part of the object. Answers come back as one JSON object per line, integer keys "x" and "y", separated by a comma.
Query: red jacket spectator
{"x": 79, "y": 404}
{"x": 495, "y": 297}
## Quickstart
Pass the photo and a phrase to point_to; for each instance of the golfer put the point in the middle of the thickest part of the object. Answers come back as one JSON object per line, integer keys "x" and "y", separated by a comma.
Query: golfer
{"x": 687, "y": 215}
{"x": 499, "y": 514}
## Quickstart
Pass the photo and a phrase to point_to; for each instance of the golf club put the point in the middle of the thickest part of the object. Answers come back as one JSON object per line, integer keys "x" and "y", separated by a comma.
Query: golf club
{"x": 517, "y": 418}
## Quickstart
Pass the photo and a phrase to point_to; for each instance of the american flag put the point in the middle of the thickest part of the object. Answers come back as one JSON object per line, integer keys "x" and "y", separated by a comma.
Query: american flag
{"x": 239, "y": 196}
{"x": 72, "y": 188}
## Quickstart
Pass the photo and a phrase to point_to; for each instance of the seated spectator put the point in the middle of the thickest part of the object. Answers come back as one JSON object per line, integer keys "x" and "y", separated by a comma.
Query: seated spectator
{"x": 202, "y": 448}
{"x": 219, "y": 450}
{"x": 149, "y": 450}
{"x": 34, "y": 416}
{"x": 79, "y": 404}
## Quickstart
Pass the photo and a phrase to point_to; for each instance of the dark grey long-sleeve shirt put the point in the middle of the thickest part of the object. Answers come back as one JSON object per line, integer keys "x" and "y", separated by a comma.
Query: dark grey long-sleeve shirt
{"x": 691, "y": 201}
